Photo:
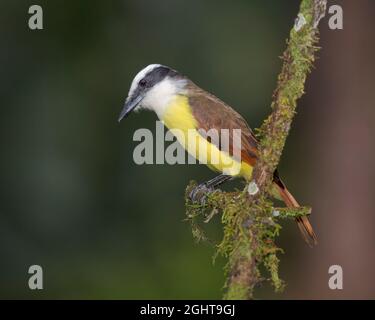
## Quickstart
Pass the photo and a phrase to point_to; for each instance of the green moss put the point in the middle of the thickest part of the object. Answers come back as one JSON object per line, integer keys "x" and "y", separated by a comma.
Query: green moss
{"x": 238, "y": 291}
{"x": 249, "y": 234}
{"x": 271, "y": 262}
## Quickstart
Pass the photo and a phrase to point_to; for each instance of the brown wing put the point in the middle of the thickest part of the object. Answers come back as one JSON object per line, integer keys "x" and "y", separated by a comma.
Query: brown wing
{"x": 212, "y": 113}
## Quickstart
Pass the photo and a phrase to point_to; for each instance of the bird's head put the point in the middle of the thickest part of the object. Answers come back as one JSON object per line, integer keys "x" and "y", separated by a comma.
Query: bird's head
{"x": 152, "y": 88}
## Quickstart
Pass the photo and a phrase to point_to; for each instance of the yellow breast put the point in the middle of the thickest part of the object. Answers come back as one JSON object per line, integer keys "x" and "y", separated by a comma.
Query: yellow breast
{"x": 179, "y": 119}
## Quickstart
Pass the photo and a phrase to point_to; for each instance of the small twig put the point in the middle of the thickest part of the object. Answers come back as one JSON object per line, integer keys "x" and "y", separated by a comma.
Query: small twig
{"x": 291, "y": 213}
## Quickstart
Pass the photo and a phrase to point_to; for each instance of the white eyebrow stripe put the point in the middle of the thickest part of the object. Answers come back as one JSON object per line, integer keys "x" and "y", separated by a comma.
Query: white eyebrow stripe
{"x": 140, "y": 75}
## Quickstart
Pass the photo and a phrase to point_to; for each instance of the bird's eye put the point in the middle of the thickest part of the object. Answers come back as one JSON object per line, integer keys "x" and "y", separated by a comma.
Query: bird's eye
{"x": 143, "y": 83}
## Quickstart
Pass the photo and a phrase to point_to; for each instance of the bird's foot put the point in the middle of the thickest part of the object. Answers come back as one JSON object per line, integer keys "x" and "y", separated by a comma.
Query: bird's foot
{"x": 200, "y": 192}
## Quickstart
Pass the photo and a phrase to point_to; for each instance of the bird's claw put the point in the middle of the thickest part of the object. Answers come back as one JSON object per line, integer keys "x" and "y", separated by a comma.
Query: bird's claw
{"x": 200, "y": 192}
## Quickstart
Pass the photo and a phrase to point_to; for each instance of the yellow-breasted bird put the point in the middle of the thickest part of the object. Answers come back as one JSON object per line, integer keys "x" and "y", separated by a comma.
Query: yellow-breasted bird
{"x": 181, "y": 105}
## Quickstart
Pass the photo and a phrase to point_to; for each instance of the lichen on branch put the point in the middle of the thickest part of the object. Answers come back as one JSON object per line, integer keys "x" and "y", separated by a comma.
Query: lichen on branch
{"x": 249, "y": 219}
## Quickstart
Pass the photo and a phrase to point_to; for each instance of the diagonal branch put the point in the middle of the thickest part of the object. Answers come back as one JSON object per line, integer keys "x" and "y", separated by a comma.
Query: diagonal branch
{"x": 298, "y": 59}
{"x": 249, "y": 218}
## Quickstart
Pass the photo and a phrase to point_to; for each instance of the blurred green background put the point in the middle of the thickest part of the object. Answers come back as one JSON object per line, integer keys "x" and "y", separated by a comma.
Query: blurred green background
{"x": 73, "y": 201}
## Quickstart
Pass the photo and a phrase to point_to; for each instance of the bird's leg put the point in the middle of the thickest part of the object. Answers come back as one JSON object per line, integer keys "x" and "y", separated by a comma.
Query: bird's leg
{"x": 199, "y": 192}
{"x": 217, "y": 181}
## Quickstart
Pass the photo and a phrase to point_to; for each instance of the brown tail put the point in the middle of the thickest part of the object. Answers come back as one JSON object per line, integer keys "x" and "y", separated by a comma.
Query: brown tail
{"x": 303, "y": 222}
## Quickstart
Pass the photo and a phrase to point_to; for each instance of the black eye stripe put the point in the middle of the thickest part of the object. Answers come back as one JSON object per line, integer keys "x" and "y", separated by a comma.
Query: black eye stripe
{"x": 155, "y": 76}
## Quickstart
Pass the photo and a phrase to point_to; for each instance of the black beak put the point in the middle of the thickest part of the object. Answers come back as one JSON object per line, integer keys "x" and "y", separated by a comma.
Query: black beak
{"x": 130, "y": 104}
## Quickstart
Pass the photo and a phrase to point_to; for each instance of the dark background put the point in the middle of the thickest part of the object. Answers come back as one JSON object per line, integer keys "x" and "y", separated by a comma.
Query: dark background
{"x": 73, "y": 201}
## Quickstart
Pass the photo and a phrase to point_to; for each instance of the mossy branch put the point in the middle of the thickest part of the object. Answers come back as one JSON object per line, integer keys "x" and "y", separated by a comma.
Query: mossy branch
{"x": 249, "y": 218}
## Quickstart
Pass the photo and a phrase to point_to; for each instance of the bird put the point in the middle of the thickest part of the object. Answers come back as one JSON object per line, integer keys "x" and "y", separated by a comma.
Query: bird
{"x": 185, "y": 107}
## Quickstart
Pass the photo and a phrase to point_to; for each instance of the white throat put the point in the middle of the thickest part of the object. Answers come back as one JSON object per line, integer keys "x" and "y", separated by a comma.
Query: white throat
{"x": 159, "y": 97}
